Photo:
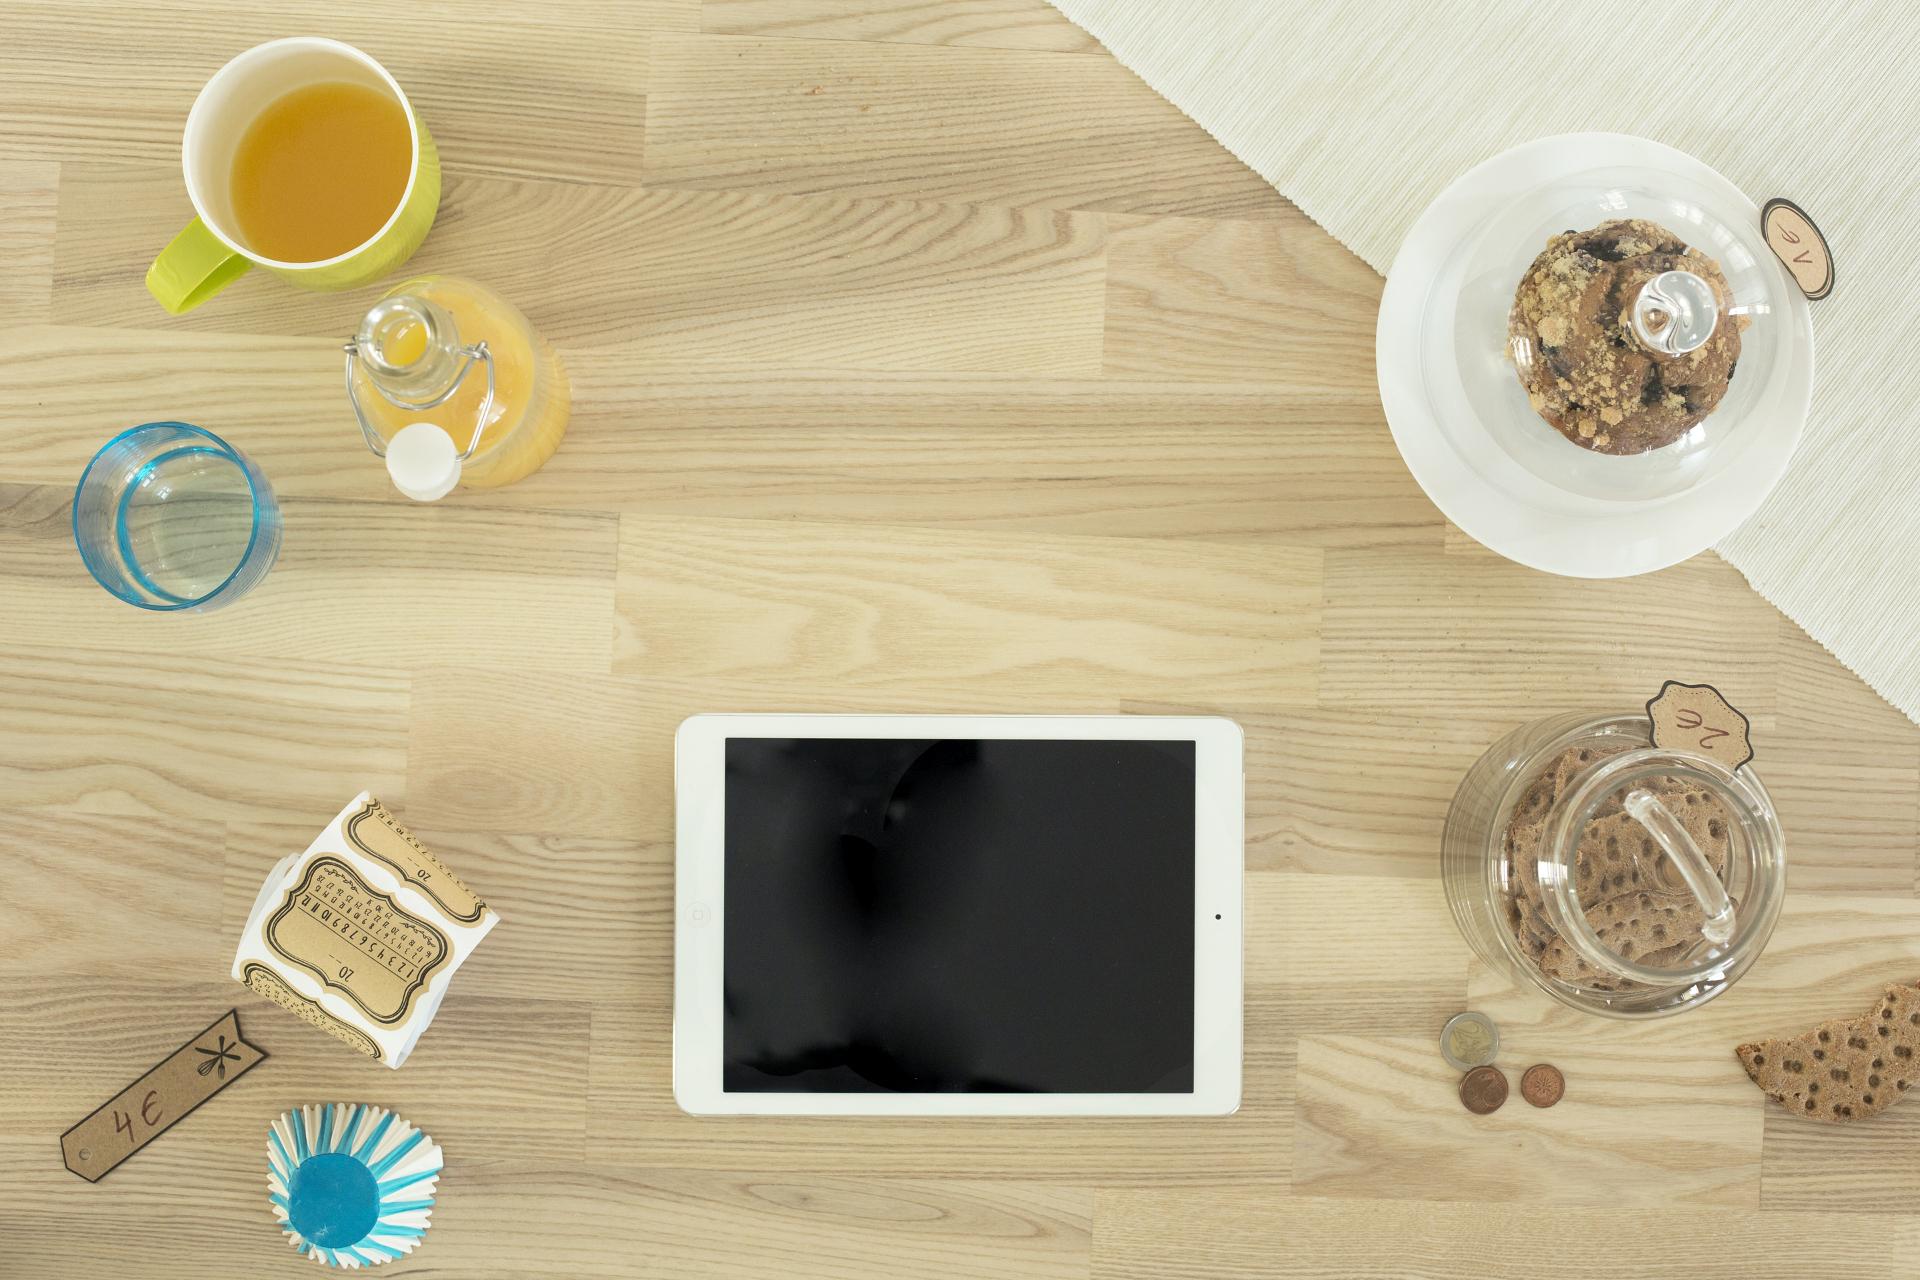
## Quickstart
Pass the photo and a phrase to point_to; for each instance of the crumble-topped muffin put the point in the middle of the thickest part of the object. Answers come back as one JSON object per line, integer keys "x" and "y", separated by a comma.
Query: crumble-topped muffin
{"x": 1573, "y": 343}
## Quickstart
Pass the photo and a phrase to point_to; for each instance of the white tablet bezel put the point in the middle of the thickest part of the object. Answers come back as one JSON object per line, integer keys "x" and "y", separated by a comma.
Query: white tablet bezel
{"x": 699, "y": 861}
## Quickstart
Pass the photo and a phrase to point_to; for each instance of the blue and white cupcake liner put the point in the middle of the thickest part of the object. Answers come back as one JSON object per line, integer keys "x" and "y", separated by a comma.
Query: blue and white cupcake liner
{"x": 351, "y": 1185}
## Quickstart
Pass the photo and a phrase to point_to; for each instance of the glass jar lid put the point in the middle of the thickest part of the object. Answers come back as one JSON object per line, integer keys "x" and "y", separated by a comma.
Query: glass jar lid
{"x": 1638, "y": 879}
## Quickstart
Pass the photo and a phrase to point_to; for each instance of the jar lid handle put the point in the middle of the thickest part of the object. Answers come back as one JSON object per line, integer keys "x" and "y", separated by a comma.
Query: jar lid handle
{"x": 1667, "y": 831}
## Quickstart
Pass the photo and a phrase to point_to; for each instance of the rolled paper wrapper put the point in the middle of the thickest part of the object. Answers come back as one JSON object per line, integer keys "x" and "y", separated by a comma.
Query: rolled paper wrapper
{"x": 361, "y": 933}
{"x": 351, "y": 1185}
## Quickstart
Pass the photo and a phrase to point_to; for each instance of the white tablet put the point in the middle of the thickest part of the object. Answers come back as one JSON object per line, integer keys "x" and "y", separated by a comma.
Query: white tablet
{"x": 957, "y": 915}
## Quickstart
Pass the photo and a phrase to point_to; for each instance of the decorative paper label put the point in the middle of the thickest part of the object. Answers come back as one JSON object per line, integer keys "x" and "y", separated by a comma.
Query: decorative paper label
{"x": 374, "y": 832}
{"x": 151, "y": 1105}
{"x": 1697, "y": 718}
{"x": 356, "y": 940}
{"x": 265, "y": 982}
{"x": 1799, "y": 246}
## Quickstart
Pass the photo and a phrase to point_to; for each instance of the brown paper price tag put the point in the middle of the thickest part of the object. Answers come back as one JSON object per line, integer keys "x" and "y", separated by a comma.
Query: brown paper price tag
{"x": 1799, "y": 245}
{"x": 375, "y": 832}
{"x": 148, "y": 1107}
{"x": 1696, "y": 718}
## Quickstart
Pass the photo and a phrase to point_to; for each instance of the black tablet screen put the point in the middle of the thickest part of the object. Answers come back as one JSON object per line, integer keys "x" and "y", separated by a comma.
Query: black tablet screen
{"x": 935, "y": 916}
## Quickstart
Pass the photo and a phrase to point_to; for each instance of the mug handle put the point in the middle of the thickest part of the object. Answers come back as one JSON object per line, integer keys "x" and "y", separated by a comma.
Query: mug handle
{"x": 194, "y": 267}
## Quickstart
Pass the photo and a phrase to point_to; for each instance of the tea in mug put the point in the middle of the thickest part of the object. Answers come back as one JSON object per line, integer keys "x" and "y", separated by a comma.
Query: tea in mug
{"x": 320, "y": 170}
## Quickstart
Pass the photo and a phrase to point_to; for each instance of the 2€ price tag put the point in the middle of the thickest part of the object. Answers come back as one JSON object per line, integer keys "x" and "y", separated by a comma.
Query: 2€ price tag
{"x": 148, "y": 1107}
{"x": 1697, "y": 718}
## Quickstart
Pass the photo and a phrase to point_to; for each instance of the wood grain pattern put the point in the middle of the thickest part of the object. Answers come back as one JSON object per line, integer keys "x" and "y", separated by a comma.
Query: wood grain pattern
{"x": 166, "y": 732}
{"x": 29, "y": 205}
{"x": 923, "y": 359}
{"x": 1847, "y": 779}
{"x": 558, "y": 91}
{"x": 1205, "y": 300}
{"x": 1211, "y": 1235}
{"x": 817, "y": 281}
{"x": 994, "y": 24}
{"x": 354, "y": 582}
{"x": 827, "y": 607}
{"x": 818, "y": 1227}
{"x": 1454, "y": 631}
{"x": 908, "y": 121}
{"x": 1581, "y": 1152}
{"x": 77, "y": 876}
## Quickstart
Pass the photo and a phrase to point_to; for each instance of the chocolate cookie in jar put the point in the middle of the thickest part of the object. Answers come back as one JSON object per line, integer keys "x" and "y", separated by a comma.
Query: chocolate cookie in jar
{"x": 1621, "y": 877}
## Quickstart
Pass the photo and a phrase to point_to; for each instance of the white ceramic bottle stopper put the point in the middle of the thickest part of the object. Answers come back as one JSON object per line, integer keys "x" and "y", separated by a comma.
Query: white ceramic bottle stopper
{"x": 423, "y": 461}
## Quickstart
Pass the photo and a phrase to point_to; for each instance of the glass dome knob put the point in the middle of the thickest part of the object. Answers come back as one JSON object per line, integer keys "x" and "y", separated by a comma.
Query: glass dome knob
{"x": 1675, "y": 313}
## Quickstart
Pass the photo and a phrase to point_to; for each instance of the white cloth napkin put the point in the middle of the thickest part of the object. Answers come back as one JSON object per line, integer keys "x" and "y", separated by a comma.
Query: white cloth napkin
{"x": 1361, "y": 111}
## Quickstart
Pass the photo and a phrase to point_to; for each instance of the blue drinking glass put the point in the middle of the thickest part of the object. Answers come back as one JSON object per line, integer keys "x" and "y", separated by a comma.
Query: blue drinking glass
{"x": 171, "y": 517}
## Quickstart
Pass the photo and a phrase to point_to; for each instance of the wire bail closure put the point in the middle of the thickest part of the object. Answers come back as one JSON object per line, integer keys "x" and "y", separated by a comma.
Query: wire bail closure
{"x": 470, "y": 356}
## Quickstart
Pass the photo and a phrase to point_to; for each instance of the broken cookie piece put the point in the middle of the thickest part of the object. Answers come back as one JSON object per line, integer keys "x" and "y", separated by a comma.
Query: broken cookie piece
{"x": 1847, "y": 1069}
{"x": 1644, "y": 927}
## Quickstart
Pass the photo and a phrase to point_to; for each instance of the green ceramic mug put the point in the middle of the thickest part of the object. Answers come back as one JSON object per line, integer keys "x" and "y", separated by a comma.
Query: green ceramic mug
{"x": 209, "y": 255}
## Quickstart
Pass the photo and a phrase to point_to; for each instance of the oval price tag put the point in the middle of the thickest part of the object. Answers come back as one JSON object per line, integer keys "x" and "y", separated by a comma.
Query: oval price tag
{"x": 1799, "y": 246}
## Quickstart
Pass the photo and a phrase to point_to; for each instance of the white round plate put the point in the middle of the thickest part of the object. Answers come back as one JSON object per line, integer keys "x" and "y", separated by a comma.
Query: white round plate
{"x": 1521, "y": 513}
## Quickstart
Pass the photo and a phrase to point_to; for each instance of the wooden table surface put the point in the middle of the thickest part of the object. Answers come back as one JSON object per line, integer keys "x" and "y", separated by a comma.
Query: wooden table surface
{"x": 924, "y": 359}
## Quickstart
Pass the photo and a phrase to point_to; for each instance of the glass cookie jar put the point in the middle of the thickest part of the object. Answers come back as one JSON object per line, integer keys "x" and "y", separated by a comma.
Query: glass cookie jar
{"x": 1622, "y": 878}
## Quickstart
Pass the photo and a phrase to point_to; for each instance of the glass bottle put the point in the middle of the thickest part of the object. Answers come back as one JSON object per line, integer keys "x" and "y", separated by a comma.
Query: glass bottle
{"x": 1622, "y": 878}
{"x": 452, "y": 386}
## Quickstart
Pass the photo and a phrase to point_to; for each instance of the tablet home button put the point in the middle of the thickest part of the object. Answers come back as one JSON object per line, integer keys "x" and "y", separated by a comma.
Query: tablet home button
{"x": 698, "y": 913}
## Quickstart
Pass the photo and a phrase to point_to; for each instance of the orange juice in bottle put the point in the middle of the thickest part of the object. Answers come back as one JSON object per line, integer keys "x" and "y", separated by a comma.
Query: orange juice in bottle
{"x": 452, "y": 386}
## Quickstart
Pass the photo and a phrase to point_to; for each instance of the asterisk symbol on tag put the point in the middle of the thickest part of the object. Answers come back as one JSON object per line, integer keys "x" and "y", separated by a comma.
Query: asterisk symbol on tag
{"x": 218, "y": 1057}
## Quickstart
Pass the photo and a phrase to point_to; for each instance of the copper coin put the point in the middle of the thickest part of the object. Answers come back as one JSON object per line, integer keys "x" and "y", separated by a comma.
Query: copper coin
{"x": 1543, "y": 1085}
{"x": 1482, "y": 1090}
